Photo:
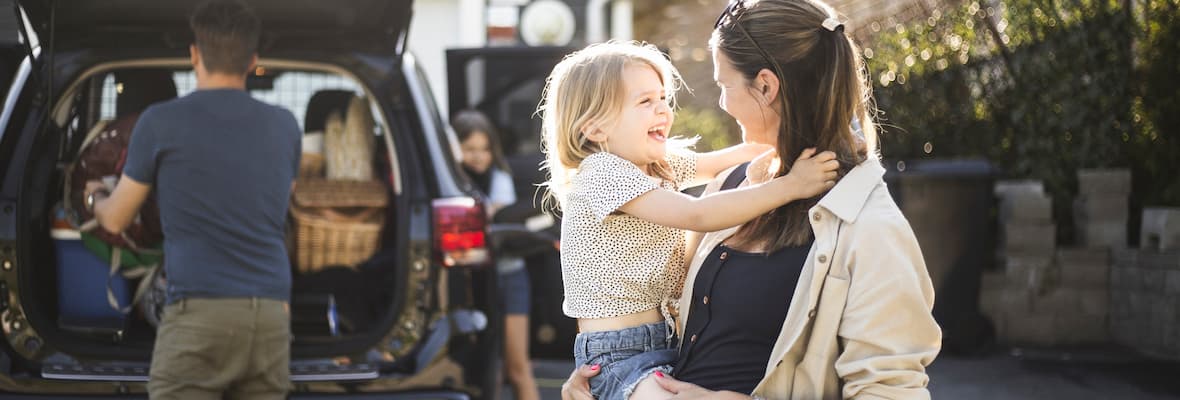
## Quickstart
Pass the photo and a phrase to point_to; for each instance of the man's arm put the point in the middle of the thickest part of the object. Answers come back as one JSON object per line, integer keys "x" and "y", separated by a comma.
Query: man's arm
{"x": 116, "y": 211}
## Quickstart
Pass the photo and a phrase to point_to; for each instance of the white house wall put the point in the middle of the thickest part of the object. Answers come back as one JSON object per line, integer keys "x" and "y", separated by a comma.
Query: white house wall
{"x": 442, "y": 24}
{"x": 439, "y": 25}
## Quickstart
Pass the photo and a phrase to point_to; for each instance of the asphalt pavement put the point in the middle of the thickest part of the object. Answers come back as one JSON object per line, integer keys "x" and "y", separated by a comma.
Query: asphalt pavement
{"x": 1007, "y": 374}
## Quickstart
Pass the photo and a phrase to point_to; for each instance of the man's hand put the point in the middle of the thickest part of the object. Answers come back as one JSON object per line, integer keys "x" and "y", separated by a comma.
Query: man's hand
{"x": 684, "y": 390}
{"x": 99, "y": 189}
{"x": 114, "y": 213}
{"x": 577, "y": 387}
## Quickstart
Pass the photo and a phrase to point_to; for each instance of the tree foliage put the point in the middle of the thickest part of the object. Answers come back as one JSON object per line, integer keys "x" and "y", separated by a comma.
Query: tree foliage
{"x": 1039, "y": 87}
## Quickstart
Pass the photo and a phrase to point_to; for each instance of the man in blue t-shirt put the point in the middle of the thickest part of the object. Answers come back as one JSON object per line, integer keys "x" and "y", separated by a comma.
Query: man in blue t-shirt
{"x": 223, "y": 166}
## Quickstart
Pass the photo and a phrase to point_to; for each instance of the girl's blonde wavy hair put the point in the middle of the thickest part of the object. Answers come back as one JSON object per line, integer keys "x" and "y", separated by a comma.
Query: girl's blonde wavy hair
{"x": 586, "y": 88}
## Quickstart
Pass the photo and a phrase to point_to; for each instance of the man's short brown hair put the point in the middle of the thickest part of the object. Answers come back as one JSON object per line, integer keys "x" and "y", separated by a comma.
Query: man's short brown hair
{"x": 226, "y": 33}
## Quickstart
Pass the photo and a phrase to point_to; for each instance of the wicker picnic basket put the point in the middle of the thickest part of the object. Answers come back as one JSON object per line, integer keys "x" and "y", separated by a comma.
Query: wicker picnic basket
{"x": 336, "y": 222}
{"x": 311, "y": 165}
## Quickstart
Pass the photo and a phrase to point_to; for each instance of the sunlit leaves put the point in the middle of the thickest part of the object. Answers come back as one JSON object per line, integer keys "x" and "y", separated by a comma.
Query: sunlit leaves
{"x": 1039, "y": 87}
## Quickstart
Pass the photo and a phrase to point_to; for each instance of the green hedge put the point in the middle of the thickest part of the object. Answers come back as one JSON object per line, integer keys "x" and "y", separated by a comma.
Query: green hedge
{"x": 714, "y": 128}
{"x": 1156, "y": 145}
{"x": 1040, "y": 88}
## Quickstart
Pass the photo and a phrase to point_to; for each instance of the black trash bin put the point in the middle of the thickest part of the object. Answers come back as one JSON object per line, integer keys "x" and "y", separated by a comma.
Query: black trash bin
{"x": 951, "y": 207}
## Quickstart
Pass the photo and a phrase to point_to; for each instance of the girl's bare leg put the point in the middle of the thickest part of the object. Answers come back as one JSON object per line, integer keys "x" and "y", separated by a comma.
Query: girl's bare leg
{"x": 516, "y": 357}
{"x": 648, "y": 389}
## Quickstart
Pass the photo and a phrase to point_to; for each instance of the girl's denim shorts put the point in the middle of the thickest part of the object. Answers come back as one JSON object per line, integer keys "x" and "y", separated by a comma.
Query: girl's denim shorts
{"x": 625, "y": 357}
{"x": 514, "y": 292}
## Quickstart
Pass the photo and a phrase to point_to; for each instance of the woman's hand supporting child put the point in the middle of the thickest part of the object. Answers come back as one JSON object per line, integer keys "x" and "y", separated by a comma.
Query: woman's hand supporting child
{"x": 810, "y": 175}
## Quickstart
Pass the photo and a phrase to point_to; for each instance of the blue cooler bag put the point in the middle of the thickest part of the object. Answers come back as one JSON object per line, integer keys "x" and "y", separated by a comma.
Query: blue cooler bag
{"x": 83, "y": 280}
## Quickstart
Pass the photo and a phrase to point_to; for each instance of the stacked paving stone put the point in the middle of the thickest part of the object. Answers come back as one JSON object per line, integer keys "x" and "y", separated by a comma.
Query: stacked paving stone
{"x": 1145, "y": 288}
{"x": 1045, "y": 296}
{"x": 1077, "y": 296}
{"x": 1160, "y": 230}
{"x": 1101, "y": 208}
{"x": 1078, "y": 301}
{"x": 1028, "y": 241}
{"x": 1097, "y": 292}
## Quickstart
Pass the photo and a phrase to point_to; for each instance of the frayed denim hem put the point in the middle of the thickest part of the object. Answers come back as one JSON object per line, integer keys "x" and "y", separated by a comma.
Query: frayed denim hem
{"x": 629, "y": 389}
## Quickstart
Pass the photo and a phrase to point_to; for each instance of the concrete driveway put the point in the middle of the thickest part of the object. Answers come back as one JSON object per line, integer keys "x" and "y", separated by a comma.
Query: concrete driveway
{"x": 1012, "y": 374}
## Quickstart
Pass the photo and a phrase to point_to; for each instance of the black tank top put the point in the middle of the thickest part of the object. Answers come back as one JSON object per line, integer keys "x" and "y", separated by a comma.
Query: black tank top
{"x": 739, "y": 303}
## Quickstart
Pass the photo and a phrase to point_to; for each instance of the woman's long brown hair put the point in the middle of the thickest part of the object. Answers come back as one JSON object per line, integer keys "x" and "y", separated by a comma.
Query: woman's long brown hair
{"x": 823, "y": 87}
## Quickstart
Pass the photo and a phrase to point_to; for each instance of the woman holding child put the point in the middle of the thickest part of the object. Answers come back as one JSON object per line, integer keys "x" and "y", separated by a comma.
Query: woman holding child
{"x": 826, "y": 296}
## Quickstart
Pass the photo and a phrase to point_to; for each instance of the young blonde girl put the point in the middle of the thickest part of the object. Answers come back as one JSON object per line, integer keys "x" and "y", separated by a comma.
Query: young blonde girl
{"x": 616, "y": 177}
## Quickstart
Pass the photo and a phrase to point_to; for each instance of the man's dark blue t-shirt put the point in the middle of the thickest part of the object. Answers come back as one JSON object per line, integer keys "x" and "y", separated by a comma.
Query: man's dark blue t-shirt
{"x": 221, "y": 164}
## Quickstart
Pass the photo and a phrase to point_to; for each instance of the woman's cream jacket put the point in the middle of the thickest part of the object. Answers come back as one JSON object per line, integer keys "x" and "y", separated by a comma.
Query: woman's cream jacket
{"x": 860, "y": 324}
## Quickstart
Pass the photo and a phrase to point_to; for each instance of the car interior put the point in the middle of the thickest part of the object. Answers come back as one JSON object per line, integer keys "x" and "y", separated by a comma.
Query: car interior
{"x": 340, "y": 231}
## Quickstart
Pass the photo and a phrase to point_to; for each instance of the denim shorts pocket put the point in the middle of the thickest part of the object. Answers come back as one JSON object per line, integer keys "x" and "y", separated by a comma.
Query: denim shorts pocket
{"x": 605, "y": 377}
{"x": 601, "y": 383}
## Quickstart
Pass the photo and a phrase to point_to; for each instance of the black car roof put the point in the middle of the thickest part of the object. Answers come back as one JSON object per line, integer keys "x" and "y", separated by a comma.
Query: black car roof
{"x": 335, "y": 26}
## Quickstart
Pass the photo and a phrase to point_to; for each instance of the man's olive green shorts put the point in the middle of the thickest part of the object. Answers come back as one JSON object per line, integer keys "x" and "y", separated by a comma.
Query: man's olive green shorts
{"x": 235, "y": 348}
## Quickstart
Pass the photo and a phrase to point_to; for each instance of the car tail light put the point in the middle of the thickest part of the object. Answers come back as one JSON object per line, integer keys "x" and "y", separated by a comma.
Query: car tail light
{"x": 460, "y": 232}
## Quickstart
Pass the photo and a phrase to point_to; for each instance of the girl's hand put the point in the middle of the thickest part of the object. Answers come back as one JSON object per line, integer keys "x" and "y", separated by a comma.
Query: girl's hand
{"x": 577, "y": 387}
{"x": 813, "y": 174}
{"x": 684, "y": 390}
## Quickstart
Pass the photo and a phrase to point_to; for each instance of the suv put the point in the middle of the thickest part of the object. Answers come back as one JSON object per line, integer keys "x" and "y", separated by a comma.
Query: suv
{"x": 434, "y": 332}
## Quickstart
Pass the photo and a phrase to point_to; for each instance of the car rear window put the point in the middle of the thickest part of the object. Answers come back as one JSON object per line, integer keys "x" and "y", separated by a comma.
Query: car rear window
{"x": 289, "y": 89}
